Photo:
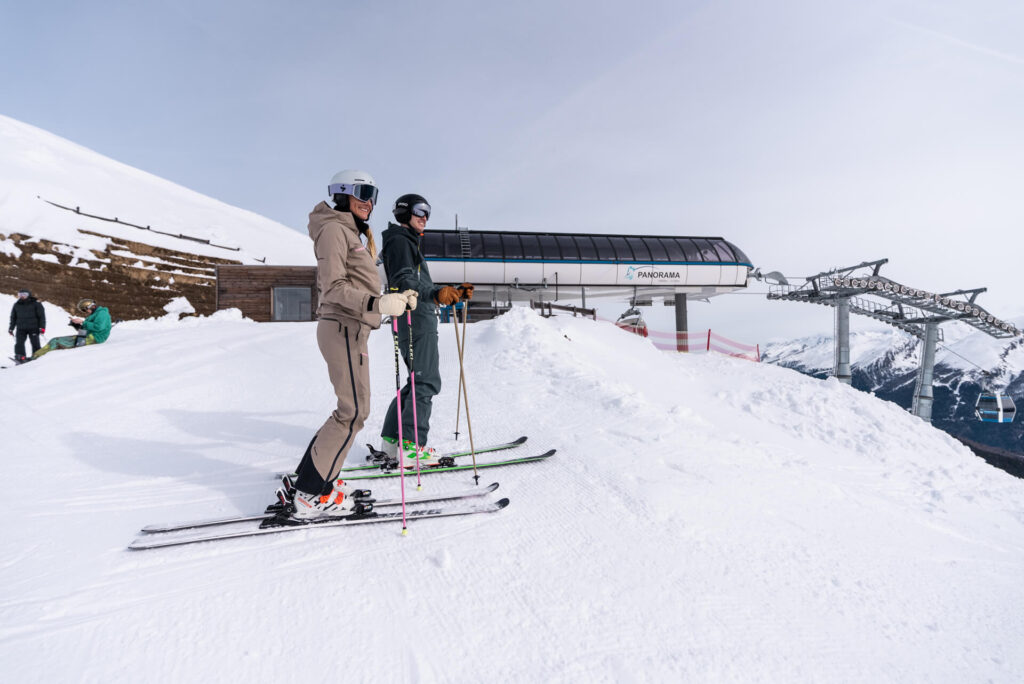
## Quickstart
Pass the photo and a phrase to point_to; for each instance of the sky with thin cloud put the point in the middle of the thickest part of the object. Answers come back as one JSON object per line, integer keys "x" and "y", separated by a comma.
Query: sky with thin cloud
{"x": 812, "y": 134}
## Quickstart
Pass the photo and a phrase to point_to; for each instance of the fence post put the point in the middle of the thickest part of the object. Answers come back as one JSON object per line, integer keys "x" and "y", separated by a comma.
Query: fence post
{"x": 709, "y": 339}
{"x": 759, "y": 352}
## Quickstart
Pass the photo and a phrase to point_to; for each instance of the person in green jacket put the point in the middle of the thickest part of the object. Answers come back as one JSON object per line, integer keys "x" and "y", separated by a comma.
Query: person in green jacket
{"x": 93, "y": 329}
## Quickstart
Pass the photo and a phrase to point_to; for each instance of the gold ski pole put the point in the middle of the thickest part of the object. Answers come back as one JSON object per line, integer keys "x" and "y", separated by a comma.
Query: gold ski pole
{"x": 465, "y": 397}
{"x": 460, "y": 347}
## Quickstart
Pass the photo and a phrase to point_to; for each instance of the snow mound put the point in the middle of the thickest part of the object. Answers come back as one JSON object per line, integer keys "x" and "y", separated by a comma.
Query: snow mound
{"x": 705, "y": 519}
{"x": 179, "y": 305}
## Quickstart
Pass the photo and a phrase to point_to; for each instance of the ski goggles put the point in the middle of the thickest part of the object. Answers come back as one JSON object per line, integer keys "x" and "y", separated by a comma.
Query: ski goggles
{"x": 361, "y": 191}
{"x": 420, "y": 209}
{"x": 23, "y": 293}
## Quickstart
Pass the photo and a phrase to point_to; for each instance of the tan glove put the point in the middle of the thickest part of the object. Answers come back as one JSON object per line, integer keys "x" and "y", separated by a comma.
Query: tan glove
{"x": 465, "y": 290}
{"x": 392, "y": 304}
{"x": 448, "y": 296}
{"x": 413, "y": 297}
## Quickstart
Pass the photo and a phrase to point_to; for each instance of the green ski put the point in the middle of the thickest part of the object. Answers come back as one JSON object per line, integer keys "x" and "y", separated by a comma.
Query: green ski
{"x": 455, "y": 454}
{"x": 437, "y": 468}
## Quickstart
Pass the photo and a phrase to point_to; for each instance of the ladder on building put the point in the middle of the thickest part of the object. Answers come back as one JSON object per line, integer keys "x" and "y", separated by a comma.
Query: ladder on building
{"x": 464, "y": 241}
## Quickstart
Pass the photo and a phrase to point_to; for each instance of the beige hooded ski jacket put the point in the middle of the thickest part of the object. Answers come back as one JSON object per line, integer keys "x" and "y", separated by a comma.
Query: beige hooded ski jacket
{"x": 347, "y": 280}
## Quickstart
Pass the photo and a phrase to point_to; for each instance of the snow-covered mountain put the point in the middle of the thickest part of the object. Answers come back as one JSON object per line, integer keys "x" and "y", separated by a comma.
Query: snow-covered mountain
{"x": 705, "y": 519}
{"x": 124, "y": 236}
{"x": 885, "y": 363}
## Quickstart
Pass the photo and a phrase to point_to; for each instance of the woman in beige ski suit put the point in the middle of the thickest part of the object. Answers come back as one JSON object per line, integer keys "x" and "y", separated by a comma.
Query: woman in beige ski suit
{"x": 349, "y": 307}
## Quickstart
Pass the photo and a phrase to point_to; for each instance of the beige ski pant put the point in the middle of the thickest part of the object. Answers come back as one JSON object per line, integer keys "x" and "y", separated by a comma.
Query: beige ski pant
{"x": 343, "y": 345}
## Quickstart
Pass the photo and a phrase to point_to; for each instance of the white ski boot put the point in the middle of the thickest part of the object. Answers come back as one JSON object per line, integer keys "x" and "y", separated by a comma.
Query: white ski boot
{"x": 341, "y": 502}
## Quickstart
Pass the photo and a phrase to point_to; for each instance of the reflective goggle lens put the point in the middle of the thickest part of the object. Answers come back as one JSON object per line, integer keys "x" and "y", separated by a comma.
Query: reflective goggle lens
{"x": 361, "y": 191}
{"x": 365, "y": 193}
{"x": 421, "y": 209}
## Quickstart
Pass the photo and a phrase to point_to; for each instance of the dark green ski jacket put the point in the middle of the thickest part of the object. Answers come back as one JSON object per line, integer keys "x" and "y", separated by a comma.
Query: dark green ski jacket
{"x": 406, "y": 269}
{"x": 98, "y": 324}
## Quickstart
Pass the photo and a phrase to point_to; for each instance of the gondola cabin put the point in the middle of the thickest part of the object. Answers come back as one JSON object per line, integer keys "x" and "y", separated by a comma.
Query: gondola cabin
{"x": 633, "y": 321}
{"x": 995, "y": 408}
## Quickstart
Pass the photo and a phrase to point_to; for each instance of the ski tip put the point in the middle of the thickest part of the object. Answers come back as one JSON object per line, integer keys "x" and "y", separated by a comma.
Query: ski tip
{"x": 491, "y": 487}
{"x": 521, "y": 440}
{"x": 549, "y": 452}
{"x": 153, "y": 529}
{"x": 502, "y": 503}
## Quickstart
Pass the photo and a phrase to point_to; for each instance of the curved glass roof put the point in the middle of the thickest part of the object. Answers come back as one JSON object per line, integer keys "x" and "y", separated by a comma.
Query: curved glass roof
{"x": 516, "y": 246}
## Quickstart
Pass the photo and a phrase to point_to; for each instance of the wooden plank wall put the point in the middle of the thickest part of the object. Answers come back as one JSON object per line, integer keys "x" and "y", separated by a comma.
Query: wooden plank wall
{"x": 249, "y": 287}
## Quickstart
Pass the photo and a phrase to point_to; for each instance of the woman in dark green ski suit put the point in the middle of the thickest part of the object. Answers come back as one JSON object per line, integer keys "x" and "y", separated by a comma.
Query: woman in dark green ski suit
{"x": 93, "y": 329}
{"x": 406, "y": 270}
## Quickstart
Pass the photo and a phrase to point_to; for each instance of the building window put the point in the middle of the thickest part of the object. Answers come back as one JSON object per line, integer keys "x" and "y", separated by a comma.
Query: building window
{"x": 513, "y": 250}
{"x": 587, "y": 250}
{"x": 640, "y": 251}
{"x": 658, "y": 252}
{"x": 452, "y": 246}
{"x": 531, "y": 247}
{"x": 492, "y": 247}
{"x": 549, "y": 247}
{"x": 569, "y": 250}
{"x": 605, "y": 251}
{"x": 292, "y": 304}
{"x": 622, "y": 250}
{"x": 432, "y": 245}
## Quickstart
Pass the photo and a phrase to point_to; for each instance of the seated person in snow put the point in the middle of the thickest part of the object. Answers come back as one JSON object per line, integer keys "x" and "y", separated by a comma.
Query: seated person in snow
{"x": 93, "y": 329}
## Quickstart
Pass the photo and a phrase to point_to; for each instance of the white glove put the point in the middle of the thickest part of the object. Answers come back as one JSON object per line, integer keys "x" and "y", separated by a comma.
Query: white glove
{"x": 413, "y": 298}
{"x": 392, "y": 304}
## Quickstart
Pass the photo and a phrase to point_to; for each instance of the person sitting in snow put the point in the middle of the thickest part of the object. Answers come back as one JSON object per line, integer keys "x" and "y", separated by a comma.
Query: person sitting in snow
{"x": 29, "y": 319}
{"x": 406, "y": 269}
{"x": 93, "y": 329}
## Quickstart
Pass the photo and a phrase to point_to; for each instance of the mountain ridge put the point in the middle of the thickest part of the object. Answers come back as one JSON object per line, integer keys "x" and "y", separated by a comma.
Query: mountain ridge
{"x": 885, "y": 363}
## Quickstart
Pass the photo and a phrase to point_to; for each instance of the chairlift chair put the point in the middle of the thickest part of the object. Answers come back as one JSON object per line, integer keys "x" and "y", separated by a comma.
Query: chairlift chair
{"x": 633, "y": 321}
{"x": 993, "y": 407}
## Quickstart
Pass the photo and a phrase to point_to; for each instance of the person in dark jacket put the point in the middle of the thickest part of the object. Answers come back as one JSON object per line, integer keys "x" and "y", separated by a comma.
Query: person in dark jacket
{"x": 29, "y": 320}
{"x": 406, "y": 269}
{"x": 93, "y": 329}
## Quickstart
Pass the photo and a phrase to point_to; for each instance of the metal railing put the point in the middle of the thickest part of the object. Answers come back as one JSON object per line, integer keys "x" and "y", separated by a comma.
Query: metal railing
{"x": 180, "y": 236}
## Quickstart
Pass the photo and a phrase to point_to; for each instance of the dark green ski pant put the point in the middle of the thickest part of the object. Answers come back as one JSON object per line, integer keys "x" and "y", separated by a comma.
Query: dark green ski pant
{"x": 428, "y": 381}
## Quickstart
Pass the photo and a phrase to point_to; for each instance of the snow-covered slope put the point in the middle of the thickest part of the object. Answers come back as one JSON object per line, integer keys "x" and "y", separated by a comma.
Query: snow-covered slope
{"x": 36, "y": 165}
{"x": 705, "y": 519}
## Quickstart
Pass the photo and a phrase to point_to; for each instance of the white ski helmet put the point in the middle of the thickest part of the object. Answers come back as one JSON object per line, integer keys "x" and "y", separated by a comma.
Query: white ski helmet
{"x": 359, "y": 184}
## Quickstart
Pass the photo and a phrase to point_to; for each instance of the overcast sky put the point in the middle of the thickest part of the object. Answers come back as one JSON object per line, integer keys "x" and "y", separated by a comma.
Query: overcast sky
{"x": 811, "y": 134}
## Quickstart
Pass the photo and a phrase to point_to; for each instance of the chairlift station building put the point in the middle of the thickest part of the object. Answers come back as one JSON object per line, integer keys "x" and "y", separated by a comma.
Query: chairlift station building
{"x": 507, "y": 267}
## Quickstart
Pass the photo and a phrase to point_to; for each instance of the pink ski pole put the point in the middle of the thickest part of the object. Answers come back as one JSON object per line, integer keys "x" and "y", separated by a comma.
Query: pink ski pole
{"x": 398, "y": 407}
{"x": 412, "y": 386}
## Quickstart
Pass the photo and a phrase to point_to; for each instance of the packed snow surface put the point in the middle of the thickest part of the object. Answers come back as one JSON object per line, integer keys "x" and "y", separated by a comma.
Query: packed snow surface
{"x": 705, "y": 519}
{"x": 36, "y": 165}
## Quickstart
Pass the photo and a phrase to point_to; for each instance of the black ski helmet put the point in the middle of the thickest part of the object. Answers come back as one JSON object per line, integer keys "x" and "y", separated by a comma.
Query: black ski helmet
{"x": 403, "y": 210}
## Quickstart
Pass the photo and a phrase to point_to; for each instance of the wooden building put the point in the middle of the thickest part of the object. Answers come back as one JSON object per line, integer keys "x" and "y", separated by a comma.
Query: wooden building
{"x": 268, "y": 293}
